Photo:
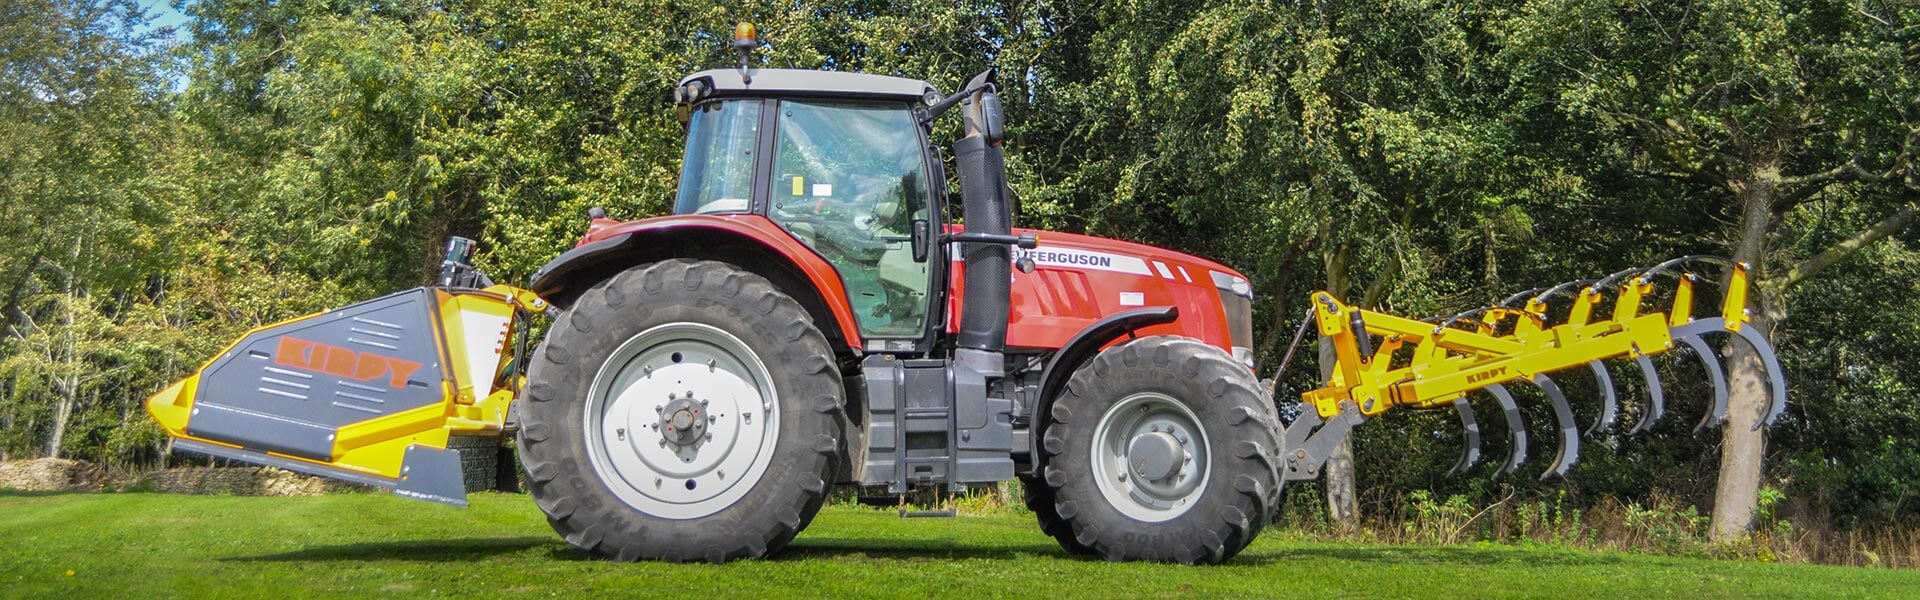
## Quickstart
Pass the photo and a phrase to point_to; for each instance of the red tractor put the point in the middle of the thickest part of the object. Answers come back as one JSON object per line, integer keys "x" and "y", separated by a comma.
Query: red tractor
{"x": 809, "y": 317}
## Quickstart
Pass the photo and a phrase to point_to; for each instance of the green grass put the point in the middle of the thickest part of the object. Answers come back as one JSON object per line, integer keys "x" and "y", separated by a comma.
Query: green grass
{"x": 136, "y": 545}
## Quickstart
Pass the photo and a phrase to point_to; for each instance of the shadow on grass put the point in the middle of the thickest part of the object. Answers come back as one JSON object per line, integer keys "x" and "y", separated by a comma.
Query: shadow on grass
{"x": 831, "y": 548}
{"x": 828, "y": 548}
{"x": 450, "y": 550}
{"x": 823, "y": 547}
{"x": 1459, "y": 555}
{"x": 836, "y": 548}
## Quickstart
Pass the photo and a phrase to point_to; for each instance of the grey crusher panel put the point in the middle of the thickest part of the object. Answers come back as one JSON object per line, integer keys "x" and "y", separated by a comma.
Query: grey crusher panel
{"x": 289, "y": 388}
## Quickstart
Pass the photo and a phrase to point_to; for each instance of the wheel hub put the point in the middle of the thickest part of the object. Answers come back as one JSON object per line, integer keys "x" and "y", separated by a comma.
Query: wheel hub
{"x": 683, "y": 420}
{"x": 1150, "y": 457}
{"x": 1155, "y": 455}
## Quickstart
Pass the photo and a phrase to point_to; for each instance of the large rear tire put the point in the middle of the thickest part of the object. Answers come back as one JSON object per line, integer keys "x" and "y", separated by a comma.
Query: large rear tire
{"x": 1162, "y": 449}
{"x": 683, "y": 410}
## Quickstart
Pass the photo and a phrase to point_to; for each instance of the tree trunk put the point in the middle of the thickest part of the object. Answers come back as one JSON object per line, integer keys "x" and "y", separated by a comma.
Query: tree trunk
{"x": 66, "y": 384}
{"x": 1342, "y": 505}
{"x": 1743, "y": 446}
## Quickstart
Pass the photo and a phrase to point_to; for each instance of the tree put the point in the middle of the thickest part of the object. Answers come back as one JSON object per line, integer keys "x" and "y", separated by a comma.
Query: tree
{"x": 81, "y": 106}
{"x": 1771, "y": 106}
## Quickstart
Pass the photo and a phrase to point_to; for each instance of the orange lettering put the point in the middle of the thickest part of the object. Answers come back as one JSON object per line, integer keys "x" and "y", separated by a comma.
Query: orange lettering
{"x": 292, "y": 352}
{"x": 369, "y": 366}
{"x": 402, "y": 369}
{"x": 339, "y": 362}
{"x": 343, "y": 362}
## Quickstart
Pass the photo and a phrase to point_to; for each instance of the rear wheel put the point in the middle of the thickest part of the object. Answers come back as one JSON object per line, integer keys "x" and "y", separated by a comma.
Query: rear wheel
{"x": 684, "y": 410}
{"x": 1162, "y": 449}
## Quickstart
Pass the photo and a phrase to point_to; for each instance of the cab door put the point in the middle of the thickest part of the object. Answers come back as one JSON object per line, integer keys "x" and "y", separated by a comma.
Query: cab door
{"x": 850, "y": 180}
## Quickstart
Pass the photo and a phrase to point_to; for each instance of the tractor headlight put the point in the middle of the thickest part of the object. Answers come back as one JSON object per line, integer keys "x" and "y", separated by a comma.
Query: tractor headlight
{"x": 1236, "y": 298}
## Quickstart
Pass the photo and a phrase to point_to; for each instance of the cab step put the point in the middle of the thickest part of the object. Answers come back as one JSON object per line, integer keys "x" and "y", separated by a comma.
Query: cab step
{"x": 927, "y": 514}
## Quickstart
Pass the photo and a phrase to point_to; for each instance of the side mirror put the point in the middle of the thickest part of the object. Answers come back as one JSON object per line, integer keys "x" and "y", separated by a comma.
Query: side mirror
{"x": 994, "y": 119}
{"x": 922, "y": 234}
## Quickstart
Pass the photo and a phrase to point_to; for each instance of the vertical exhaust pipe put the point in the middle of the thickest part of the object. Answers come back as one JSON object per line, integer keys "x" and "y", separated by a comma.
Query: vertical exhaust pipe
{"x": 983, "y": 183}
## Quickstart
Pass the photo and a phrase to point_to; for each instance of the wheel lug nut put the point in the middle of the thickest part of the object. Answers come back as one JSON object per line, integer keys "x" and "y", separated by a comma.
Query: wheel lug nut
{"x": 621, "y": 434}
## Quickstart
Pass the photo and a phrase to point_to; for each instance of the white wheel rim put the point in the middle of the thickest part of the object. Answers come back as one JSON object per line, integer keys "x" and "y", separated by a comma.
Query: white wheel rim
{"x": 703, "y": 371}
{"x": 1153, "y": 495}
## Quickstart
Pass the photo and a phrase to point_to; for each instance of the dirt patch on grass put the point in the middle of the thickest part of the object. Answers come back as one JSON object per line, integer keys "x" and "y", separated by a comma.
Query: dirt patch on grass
{"x": 67, "y": 475}
{"x": 51, "y": 475}
{"x": 236, "y": 481}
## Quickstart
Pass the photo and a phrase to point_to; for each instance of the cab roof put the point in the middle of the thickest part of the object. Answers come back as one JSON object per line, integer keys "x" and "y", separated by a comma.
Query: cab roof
{"x": 798, "y": 82}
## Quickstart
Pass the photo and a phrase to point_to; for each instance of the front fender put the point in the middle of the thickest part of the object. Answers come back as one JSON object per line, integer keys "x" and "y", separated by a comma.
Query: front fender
{"x": 1082, "y": 347}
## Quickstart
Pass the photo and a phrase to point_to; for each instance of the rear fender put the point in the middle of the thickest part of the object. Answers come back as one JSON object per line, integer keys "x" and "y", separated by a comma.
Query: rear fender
{"x": 749, "y": 241}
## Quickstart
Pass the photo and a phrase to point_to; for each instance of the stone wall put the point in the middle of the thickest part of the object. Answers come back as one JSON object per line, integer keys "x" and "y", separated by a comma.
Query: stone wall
{"x": 237, "y": 481}
{"x": 51, "y": 475}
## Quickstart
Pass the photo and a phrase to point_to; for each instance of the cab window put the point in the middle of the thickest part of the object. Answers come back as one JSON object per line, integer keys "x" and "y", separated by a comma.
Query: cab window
{"x": 849, "y": 180}
{"x": 717, "y": 171}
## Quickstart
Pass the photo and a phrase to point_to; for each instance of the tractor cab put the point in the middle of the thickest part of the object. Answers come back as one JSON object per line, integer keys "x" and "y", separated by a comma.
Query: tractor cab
{"x": 840, "y": 161}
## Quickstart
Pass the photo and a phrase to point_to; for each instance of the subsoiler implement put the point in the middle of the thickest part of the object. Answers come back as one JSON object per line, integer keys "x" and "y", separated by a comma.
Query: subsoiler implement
{"x": 1436, "y": 363}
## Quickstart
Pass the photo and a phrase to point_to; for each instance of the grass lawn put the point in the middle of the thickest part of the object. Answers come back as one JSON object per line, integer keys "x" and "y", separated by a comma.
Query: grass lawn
{"x": 136, "y": 545}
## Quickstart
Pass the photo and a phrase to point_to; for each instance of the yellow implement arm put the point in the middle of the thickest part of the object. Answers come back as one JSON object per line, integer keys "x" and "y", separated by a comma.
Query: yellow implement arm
{"x": 1435, "y": 363}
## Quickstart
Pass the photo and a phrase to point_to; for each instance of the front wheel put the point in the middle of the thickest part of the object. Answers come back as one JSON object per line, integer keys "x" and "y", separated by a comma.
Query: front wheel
{"x": 684, "y": 410}
{"x": 1162, "y": 449}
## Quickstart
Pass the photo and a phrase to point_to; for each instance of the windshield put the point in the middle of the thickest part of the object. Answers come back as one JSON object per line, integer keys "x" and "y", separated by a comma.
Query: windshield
{"x": 717, "y": 171}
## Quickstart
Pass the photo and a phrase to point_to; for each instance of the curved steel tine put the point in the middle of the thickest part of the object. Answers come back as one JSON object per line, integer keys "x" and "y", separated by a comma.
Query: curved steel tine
{"x": 1775, "y": 377}
{"x": 1605, "y": 284}
{"x": 1470, "y": 428}
{"x": 1569, "y": 451}
{"x": 1658, "y": 406}
{"x": 1715, "y": 374}
{"x": 1510, "y": 301}
{"x": 1609, "y": 403}
{"x": 1671, "y": 264}
{"x": 1515, "y": 429}
{"x": 1566, "y": 288}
